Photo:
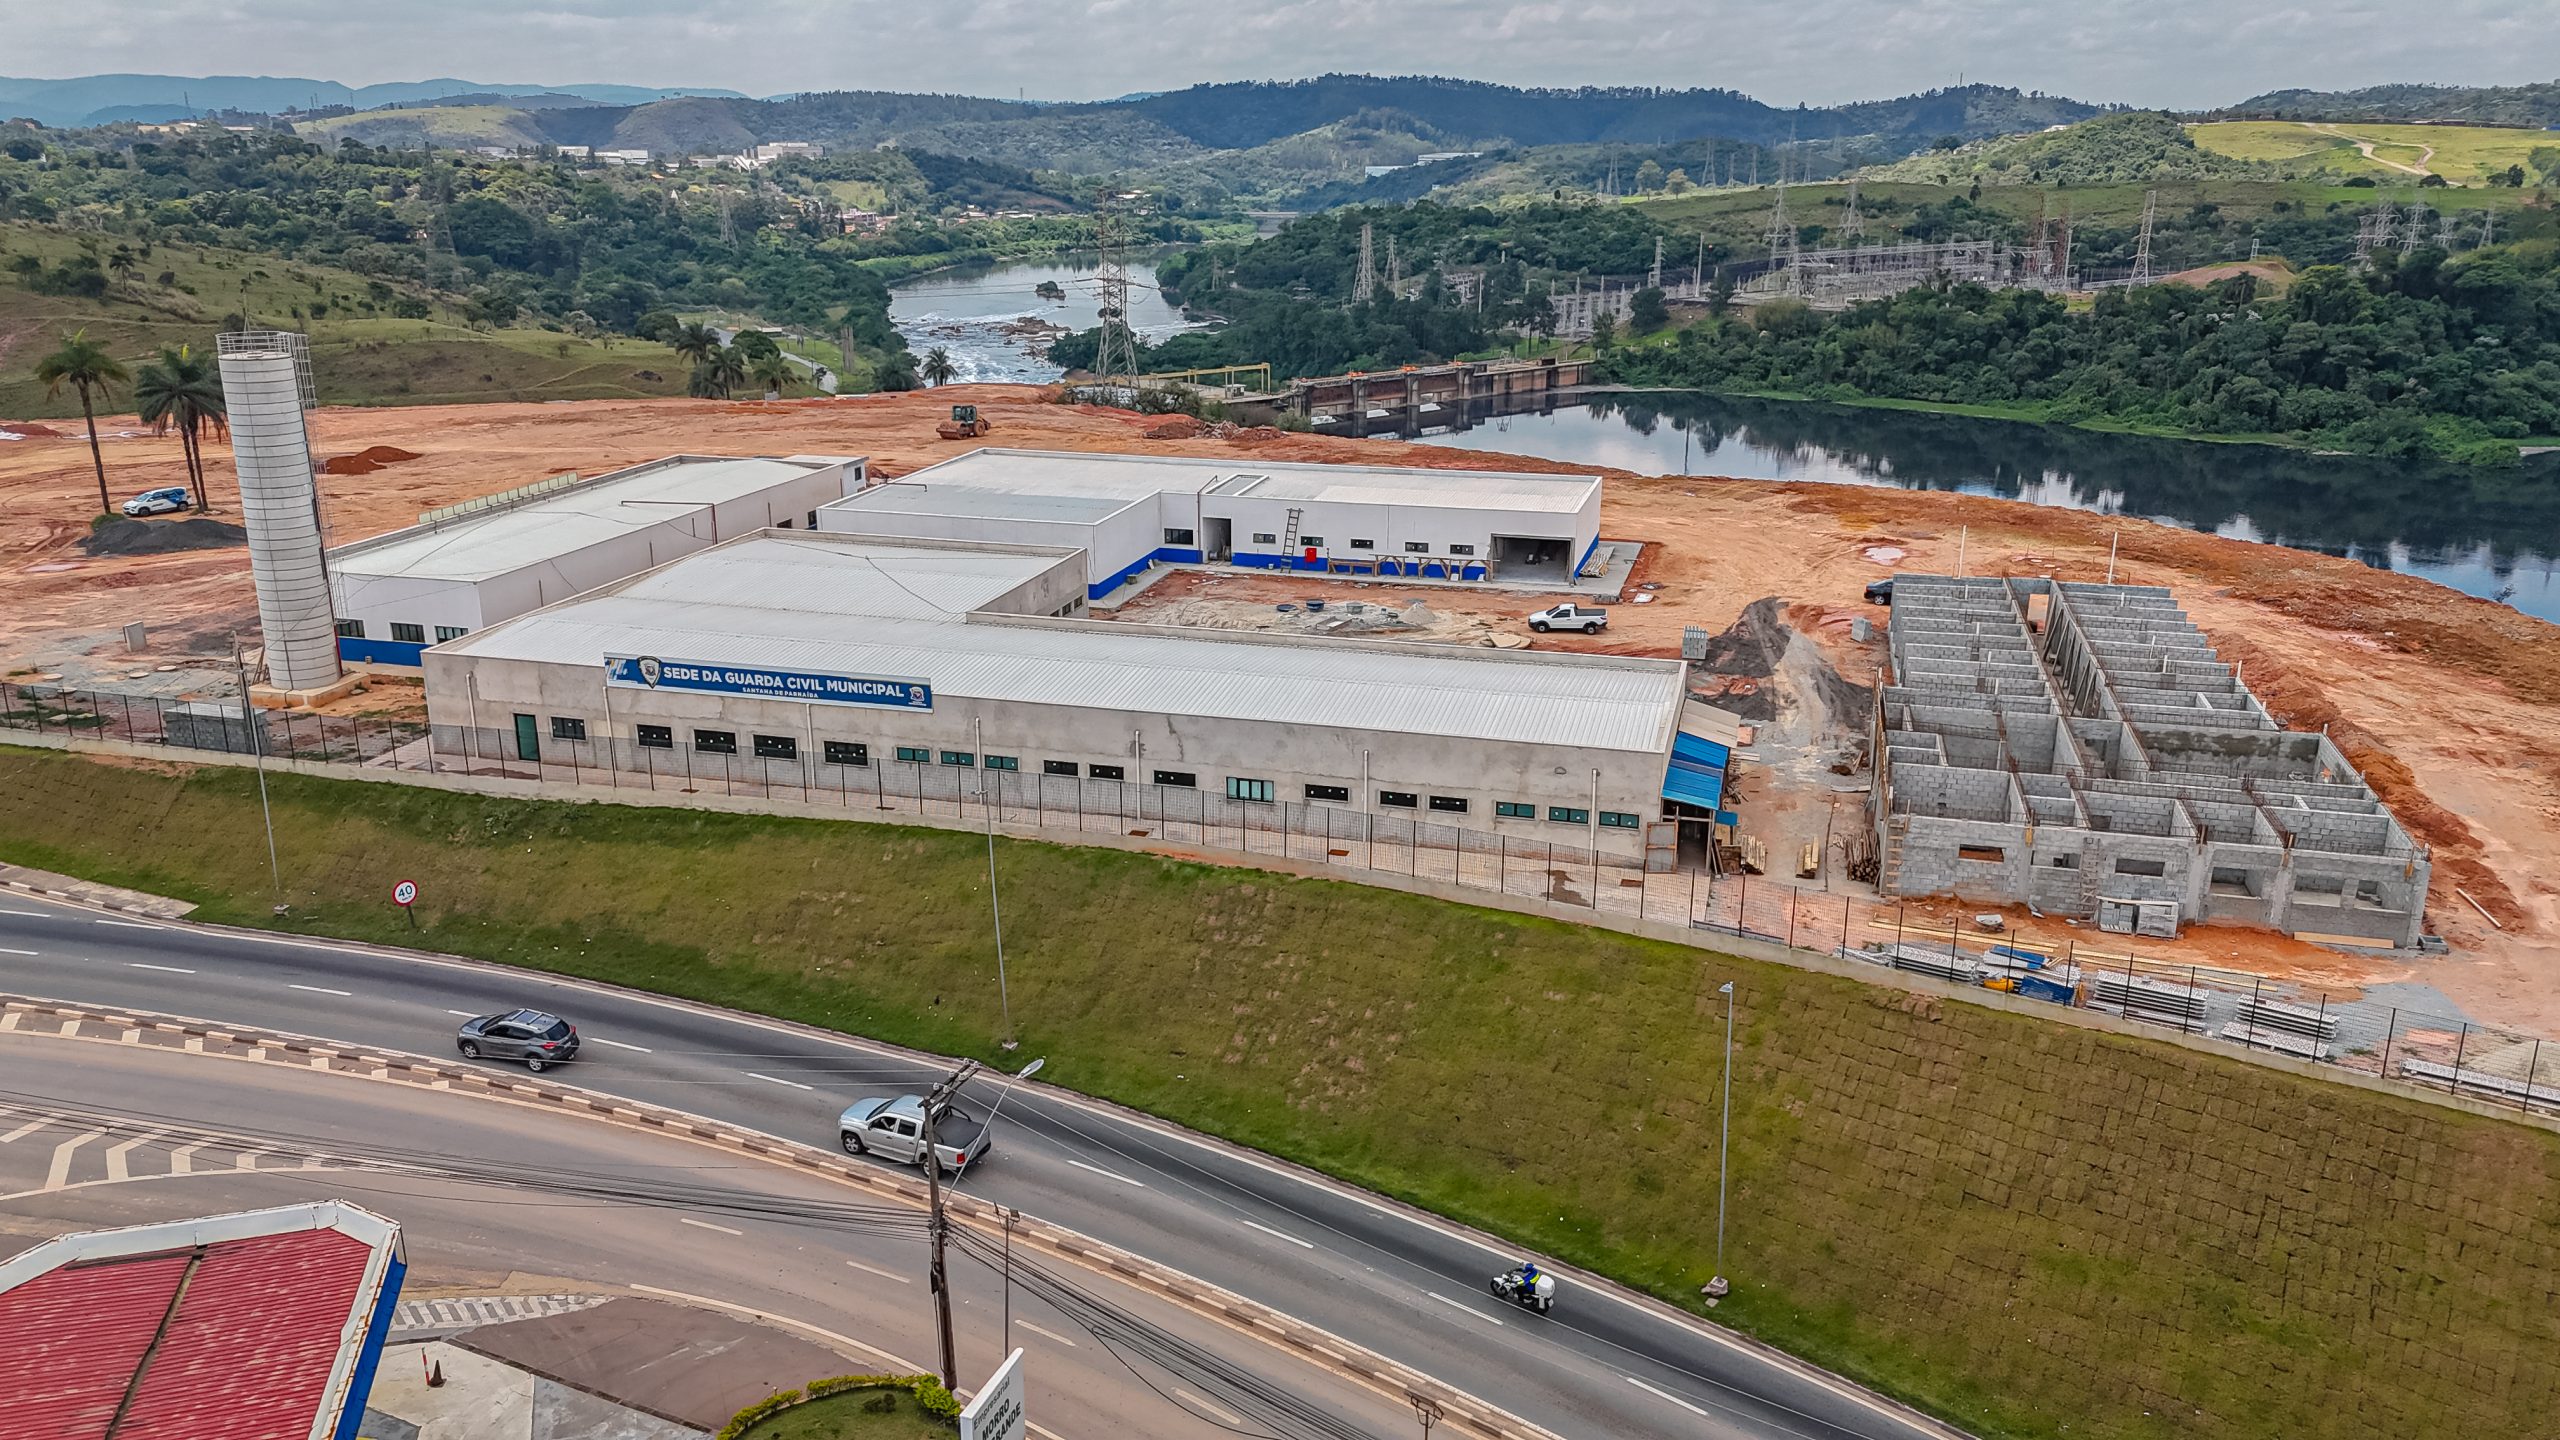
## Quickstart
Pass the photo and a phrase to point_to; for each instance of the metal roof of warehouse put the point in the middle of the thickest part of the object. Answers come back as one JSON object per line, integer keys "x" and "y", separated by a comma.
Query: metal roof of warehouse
{"x": 869, "y": 607}
{"x": 546, "y": 527}
{"x": 1062, "y": 472}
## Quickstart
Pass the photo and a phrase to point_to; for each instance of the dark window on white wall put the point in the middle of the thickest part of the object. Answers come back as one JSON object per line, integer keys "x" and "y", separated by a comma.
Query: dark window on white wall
{"x": 1462, "y": 549}
{"x": 404, "y": 633}
{"x": 1312, "y": 542}
{"x": 351, "y": 629}
{"x": 2142, "y": 867}
{"x": 1176, "y": 537}
{"x": 1004, "y": 762}
{"x": 914, "y": 754}
{"x": 1239, "y": 788}
{"x": 449, "y": 632}
{"x": 1058, "y": 767}
{"x": 1265, "y": 537}
{"x": 1401, "y": 799}
{"x": 657, "y": 737}
{"x": 1417, "y": 547}
{"x": 959, "y": 759}
{"x": 1329, "y": 792}
{"x": 848, "y": 752}
{"x": 1364, "y": 544}
{"x": 1183, "y": 778}
{"x": 777, "y": 747}
{"x": 1105, "y": 772}
{"x": 1453, "y": 804}
{"x": 716, "y": 742}
{"x": 1620, "y": 820}
{"x": 1515, "y": 810}
{"x": 1567, "y": 815}
{"x": 565, "y": 728}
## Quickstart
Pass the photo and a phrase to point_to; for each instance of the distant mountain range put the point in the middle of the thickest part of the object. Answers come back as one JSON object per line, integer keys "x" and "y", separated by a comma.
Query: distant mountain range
{"x": 106, "y": 99}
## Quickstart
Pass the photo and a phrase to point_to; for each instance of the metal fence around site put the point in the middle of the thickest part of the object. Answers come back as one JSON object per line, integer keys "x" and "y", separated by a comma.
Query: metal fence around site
{"x": 1566, "y": 874}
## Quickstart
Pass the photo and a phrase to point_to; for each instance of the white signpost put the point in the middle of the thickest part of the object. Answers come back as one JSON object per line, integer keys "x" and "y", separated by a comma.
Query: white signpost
{"x": 996, "y": 1413}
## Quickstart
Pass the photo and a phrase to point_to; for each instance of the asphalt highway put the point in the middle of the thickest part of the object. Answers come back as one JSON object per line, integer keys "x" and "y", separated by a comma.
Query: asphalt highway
{"x": 94, "y": 1135}
{"x": 1605, "y": 1363}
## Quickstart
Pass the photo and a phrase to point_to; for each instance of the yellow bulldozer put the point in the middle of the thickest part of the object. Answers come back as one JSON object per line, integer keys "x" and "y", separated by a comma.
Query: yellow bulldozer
{"x": 965, "y": 424}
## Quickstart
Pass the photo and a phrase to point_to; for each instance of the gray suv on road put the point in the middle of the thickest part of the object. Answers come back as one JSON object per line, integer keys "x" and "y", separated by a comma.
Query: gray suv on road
{"x": 532, "y": 1036}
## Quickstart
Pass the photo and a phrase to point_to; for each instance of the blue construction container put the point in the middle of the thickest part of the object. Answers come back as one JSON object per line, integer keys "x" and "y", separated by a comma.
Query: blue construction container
{"x": 2036, "y": 987}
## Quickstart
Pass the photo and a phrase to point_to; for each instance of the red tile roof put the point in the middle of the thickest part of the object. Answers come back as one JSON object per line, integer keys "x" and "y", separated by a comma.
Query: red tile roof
{"x": 235, "y": 1340}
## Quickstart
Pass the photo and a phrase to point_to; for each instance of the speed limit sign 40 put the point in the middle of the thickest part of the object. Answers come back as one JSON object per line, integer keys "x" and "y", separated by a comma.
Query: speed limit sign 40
{"x": 404, "y": 893}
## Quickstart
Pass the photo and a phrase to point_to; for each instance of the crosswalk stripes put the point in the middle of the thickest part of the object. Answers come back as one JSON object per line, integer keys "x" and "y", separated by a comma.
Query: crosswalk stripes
{"x": 466, "y": 1311}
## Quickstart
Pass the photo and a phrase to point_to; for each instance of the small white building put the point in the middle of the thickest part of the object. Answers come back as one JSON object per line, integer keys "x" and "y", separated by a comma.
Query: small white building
{"x": 628, "y": 156}
{"x": 1127, "y": 512}
{"x": 474, "y": 564}
{"x": 799, "y": 662}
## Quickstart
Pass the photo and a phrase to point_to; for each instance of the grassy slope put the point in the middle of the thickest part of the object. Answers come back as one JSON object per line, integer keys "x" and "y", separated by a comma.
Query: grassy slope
{"x": 358, "y": 359}
{"x": 2464, "y": 154}
{"x": 850, "y": 1416}
{"x": 2034, "y": 1229}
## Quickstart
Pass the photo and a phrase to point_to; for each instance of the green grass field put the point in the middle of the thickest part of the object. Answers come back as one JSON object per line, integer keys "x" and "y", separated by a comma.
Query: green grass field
{"x": 358, "y": 358}
{"x": 2033, "y": 1229}
{"x": 2463, "y": 154}
{"x": 854, "y": 1415}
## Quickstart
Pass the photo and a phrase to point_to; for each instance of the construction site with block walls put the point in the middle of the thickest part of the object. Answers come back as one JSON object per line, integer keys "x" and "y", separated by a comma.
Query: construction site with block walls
{"x": 2082, "y": 750}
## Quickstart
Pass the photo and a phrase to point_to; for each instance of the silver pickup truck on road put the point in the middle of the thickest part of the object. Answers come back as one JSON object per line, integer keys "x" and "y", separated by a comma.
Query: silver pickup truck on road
{"x": 892, "y": 1128}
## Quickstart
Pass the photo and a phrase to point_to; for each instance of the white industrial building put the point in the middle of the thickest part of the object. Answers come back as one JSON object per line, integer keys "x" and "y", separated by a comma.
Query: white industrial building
{"x": 934, "y": 666}
{"x": 1128, "y": 512}
{"x": 471, "y": 565}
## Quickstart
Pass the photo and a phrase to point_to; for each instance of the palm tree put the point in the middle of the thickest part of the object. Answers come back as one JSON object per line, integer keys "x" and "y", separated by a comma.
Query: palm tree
{"x": 122, "y": 264}
{"x": 937, "y": 366}
{"x": 696, "y": 341}
{"x": 772, "y": 372}
{"x": 181, "y": 391}
{"x": 86, "y": 367}
{"x": 717, "y": 373}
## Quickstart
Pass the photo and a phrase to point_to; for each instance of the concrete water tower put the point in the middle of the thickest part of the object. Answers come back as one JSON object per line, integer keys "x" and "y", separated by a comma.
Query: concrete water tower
{"x": 266, "y": 385}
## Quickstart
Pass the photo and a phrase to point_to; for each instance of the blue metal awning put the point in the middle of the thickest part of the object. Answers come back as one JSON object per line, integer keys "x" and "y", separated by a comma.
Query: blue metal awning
{"x": 1696, "y": 776}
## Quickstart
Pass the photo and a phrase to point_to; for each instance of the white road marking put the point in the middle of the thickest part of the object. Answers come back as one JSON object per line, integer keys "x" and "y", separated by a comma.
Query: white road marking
{"x": 1215, "y": 1412}
{"x": 133, "y": 925}
{"x": 883, "y": 1274}
{"x": 465, "y": 1014}
{"x": 321, "y": 990}
{"x": 23, "y": 1131}
{"x": 182, "y": 1161}
{"x": 905, "y": 1366}
{"x": 1280, "y": 1235}
{"x": 618, "y": 1045}
{"x": 1052, "y": 1334}
{"x": 777, "y": 1080}
{"x": 119, "y": 1156}
{"x": 60, "y": 1174}
{"x": 1107, "y": 1174}
{"x": 7, "y": 950}
{"x": 706, "y": 1225}
{"x": 246, "y": 1159}
{"x": 1464, "y": 1308}
{"x": 169, "y": 969}
{"x": 32, "y": 914}
{"x": 1664, "y": 1394}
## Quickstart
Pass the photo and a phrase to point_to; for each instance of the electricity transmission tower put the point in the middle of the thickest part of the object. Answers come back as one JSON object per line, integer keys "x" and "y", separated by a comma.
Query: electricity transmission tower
{"x": 1117, "y": 354}
{"x": 1365, "y": 283}
{"x": 2415, "y": 230}
{"x": 1655, "y": 278}
{"x": 2142, "y": 245}
{"x": 1853, "y": 226}
{"x": 1395, "y": 267}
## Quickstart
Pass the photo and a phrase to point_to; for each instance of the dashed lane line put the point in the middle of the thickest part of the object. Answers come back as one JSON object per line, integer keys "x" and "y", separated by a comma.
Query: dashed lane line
{"x": 8, "y": 950}
{"x": 1052, "y": 1334}
{"x": 322, "y": 990}
{"x": 706, "y": 1225}
{"x": 619, "y": 1045}
{"x": 1219, "y": 1413}
{"x": 1465, "y": 1309}
{"x": 132, "y": 925}
{"x": 166, "y": 969}
{"x": 1280, "y": 1235}
{"x": 778, "y": 1080}
{"x": 1664, "y": 1395}
{"x": 1108, "y": 1174}
{"x": 883, "y": 1274}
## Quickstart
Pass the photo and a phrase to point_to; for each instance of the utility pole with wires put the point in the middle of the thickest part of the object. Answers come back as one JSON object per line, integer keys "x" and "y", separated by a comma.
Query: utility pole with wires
{"x": 938, "y": 1227}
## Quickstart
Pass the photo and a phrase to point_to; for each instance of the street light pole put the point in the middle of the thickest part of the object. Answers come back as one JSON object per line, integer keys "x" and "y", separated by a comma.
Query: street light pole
{"x": 995, "y": 905}
{"x": 257, "y": 738}
{"x": 1717, "y": 1287}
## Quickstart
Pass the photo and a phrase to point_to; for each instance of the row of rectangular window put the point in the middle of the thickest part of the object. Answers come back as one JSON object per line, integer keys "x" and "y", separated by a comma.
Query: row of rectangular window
{"x": 1316, "y": 542}
{"x": 847, "y": 752}
{"x": 403, "y": 633}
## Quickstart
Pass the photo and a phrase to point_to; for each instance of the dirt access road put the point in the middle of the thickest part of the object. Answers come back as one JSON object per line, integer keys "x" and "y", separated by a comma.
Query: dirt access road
{"x": 2451, "y": 705}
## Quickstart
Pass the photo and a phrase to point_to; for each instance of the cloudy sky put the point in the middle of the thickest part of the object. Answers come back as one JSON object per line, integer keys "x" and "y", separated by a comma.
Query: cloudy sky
{"x": 2178, "y": 53}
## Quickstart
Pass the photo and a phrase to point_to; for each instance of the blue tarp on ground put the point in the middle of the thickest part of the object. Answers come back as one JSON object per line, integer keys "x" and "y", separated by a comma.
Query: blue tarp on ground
{"x": 1696, "y": 776}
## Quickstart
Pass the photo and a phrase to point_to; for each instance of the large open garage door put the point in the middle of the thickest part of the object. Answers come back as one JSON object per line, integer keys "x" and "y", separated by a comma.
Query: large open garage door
{"x": 1532, "y": 557}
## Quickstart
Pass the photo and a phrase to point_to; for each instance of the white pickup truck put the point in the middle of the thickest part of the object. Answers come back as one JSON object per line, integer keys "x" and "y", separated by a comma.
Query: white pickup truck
{"x": 893, "y": 1129}
{"x": 1588, "y": 619}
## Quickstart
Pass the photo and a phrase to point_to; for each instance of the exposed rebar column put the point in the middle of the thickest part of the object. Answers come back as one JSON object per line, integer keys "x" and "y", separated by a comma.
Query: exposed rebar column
{"x": 266, "y": 385}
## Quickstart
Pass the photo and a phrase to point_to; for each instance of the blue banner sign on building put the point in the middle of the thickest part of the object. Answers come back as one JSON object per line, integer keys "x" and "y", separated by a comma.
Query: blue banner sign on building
{"x": 699, "y": 677}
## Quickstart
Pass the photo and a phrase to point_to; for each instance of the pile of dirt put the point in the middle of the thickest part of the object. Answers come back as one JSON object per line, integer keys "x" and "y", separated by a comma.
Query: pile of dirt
{"x": 367, "y": 460}
{"x": 1175, "y": 427}
{"x": 29, "y": 430}
{"x": 162, "y": 537}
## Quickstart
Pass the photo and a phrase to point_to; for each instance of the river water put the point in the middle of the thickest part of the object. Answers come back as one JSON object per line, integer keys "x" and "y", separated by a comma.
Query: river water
{"x": 2493, "y": 532}
{"x": 2487, "y": 531}
{"x": 992, "y": 324}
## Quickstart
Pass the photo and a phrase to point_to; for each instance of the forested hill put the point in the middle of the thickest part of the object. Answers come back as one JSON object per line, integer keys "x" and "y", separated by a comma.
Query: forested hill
{"x": 2533, "y": 106}
{"x": 1242, "y": 115}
